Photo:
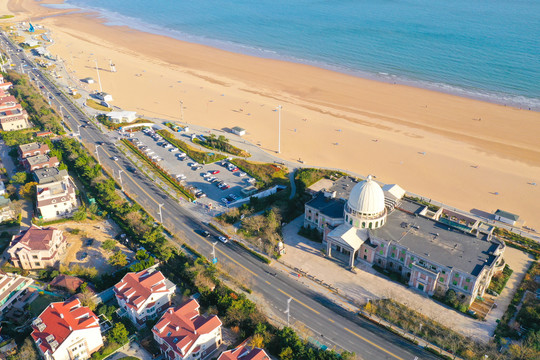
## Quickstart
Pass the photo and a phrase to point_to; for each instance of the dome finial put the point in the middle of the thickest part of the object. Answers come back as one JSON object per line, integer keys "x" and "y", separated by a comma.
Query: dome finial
{"x": 369, "y": 178}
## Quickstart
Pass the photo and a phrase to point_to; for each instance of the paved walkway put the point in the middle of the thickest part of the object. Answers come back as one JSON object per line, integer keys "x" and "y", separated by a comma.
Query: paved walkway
{"x": 7, "y": 161}
{"x": 135, "y": 350}
{"x": 367, "y": 283}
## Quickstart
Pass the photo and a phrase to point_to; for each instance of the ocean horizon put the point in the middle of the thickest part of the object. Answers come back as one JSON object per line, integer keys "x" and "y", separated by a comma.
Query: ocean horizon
{"x": 485, "y": 50}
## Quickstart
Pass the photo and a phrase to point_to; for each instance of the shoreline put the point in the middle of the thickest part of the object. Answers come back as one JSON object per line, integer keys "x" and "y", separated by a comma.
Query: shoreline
{"x": 344, "y": 122}
{"x": 519, "y": 101}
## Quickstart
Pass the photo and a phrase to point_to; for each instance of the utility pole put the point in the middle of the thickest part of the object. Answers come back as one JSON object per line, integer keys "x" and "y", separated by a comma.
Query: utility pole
{"x": 288, "y": 311}
{"x": 160, "y": 215}
{"x": 99, "y": 79}
{"x": 279, "y": 128}
{"x": 120, "y": 177}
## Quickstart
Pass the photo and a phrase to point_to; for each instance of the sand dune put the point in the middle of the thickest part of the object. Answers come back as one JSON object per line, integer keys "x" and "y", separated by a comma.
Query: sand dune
{"x": 329, "y": 119}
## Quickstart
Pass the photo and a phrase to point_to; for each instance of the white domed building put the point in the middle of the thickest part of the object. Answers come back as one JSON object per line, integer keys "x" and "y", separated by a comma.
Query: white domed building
{"x": 381, "y": 228}
{"x": 366, "y": 207}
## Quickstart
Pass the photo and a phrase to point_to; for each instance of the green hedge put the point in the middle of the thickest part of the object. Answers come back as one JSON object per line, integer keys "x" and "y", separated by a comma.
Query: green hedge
{"x": 160, "y": 172}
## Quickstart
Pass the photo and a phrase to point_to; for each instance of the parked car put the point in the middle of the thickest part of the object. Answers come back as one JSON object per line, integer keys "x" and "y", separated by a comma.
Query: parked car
{"x": 115, "y": 158}
{"x": 214, "y": 172}
{"x": 205, "y": 233}
{"x": 173, "y": 149}
{"x": 241, "y": 174}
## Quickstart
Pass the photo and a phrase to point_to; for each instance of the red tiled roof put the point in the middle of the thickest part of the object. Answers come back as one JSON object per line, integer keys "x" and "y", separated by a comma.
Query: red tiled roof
{"x": 71, "y": 283}
{"x": 181, "y": 327}
{"x": 60, "y": 320}
{"x": 136, "y": 288}
{"x": 35, "y": 238}
{"x": 243, "y": 352}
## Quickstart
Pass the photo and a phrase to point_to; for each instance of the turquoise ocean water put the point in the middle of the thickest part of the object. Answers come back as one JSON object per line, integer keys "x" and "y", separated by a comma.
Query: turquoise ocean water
{"x": 483, "y": 49}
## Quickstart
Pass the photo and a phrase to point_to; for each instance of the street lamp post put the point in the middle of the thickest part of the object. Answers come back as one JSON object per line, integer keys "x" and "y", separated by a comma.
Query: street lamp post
{"x": 288, "y": 311}
{"x": 279, "y": 128}
{"x": 120, "y": 178}
{"x": 160, "y": 214}
{"x": 97, "y": 154}
{"x": 214, "y": 258}
{"x": 181, "y": 111}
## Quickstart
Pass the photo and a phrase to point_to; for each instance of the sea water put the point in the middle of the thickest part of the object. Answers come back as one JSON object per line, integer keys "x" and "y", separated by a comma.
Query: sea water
{"x": 483, "y": 49}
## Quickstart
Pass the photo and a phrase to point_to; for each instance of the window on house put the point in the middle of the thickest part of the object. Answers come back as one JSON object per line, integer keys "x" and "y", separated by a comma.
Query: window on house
{"x": 456, "y": 275}
{"x": 441, "y": 279}
{"x": 400, "y": 259}
{"x": 466, "y": 287}
{"x": 393, "y": 255}
{"x": 381, "y": 252}
{"x": 382, "y": 245}
{"x": 468, "y": 280}
{"x": 444, "y": 272}
{"x": 37, "y": 263}
{"x": 454, "y": 282}
{"x": 34, "y": 257}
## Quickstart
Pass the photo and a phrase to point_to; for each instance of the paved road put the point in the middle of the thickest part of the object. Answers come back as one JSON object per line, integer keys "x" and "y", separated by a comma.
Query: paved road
{"x": 328, "y": 323}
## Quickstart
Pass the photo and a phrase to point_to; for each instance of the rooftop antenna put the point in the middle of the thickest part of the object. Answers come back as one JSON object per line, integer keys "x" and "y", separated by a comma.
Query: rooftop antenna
{"x": 113, "y": 66}
{"x": 99, "y": 79}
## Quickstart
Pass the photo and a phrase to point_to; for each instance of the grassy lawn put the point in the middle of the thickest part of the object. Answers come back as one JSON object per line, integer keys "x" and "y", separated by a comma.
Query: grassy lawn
{"x": 498, "y": 281}
{"x": 266, "y": 174}
{"x": 43, "y": 300}
{"x": 197, "y": 155}
{"x": 94, "y": 105}
{"x": 310, "y": 176}
{"x": 221, "y": 143}
{"x": 114, "y": 126}
{"x": 76, "y": 96}
{"x": 6, "y": 17}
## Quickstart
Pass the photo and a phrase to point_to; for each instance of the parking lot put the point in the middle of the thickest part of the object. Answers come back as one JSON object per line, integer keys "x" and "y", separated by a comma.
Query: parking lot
{"x": 205, "y": 178}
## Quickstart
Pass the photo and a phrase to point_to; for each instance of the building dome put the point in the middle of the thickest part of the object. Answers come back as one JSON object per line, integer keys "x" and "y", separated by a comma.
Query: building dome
{"x": 366, "y": 207}
{"x": 367, "y": 198}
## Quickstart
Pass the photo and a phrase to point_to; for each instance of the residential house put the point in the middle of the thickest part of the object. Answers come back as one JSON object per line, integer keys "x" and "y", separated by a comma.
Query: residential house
{"x": 33, "y": 149}
{"x": 56, "y": 199}
{"x": 244, "y": 352}
{"x": 67, "y": 331}
{"x": 50, "y": 175}
{"x": 14, "y": 119}
{"x": 183, "y": 334}
{"x": 37, "y": 248}
{"x": 11, "y": 287}
{"x": 39, "y": 162}
{"x": 67, "y": 282}
{"x": 144, "y": 295}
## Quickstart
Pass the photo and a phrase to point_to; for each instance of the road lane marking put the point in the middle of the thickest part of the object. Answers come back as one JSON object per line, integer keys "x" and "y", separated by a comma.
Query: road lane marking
{"x": 298, "y": 301}
{"x": 331, "y": 320}
{"x": 372, "y": 343}
{"x": 268, "y": 282}
{"x": 236, "y": 262}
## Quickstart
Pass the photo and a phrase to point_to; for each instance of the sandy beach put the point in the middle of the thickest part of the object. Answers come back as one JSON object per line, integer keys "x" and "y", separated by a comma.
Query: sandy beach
{"x": 455, "y": 150}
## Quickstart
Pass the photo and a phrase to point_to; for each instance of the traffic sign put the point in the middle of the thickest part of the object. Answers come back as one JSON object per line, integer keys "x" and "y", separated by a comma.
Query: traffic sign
{"x": 214, "y": 261}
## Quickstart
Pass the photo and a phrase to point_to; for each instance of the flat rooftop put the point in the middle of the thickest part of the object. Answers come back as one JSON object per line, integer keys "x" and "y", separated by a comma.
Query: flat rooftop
{"x": 48, "y": 175}
{"x": 437, "y": 242}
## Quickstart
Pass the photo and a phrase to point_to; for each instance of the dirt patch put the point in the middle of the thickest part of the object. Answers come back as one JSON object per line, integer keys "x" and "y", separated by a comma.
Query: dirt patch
{"x": 84, "y": 244}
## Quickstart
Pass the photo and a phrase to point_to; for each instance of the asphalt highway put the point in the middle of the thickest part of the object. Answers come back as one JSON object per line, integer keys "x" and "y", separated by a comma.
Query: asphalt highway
{"x": 323, "y": 320}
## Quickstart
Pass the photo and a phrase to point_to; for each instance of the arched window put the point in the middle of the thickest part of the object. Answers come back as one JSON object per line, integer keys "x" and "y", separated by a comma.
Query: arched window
{"x": 376, "y": 223}
{"x": 363, "y": 224}
{"x": 370, "y": 225}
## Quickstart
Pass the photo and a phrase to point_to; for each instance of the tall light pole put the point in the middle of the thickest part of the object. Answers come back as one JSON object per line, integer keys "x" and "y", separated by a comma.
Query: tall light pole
{"x": 99, "y": 79}
{"x": 181, "y": 111}
{"x": 279, "y": 129}
{"x": 288, "y": 311}
{"x": 214, "y": 258}
{"x": 97, "y": 154}
{"x": 120, "y": 177}
{"x": 160, "y": 214}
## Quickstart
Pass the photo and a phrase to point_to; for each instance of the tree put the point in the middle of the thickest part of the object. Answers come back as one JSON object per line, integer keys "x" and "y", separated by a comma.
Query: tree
{"x": 257, "y": 341}
{"x": 109, "y": 244}
{"x": 19, "y": 178}
{"x": 28, "y": 190}
{"x": 26, "y": 351}
{"x": 286, "y": 354}
{"x": 80, "y": 214}
{"x": 118, "y": 334}
{"x": 141, "y": 255}
{"x": 87, "y": 299}
{"x": 118, "y": 259}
